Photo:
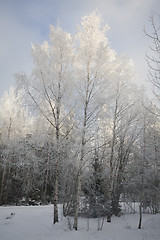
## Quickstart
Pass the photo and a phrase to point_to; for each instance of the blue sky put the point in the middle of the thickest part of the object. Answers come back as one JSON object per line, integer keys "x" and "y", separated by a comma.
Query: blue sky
{"x": 26, "y": 21}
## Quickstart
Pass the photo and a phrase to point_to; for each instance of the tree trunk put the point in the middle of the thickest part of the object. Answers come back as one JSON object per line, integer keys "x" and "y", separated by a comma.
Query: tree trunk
{"x": 140, "y": 215}
{"x": 2, "y": 187}
{"x": 142, "y": 174}
{"x": 115, "y": 202}
{"x": 110, "y": 192}
{"x": 117, "y": 190}
{"x": 56, "y": 181}
{"x": 58, "y": 152}
{"x": 83, "y": 142}
{"x": 46, "y": 181}
{"x": 79, "y": 183}
{"x": 56, "y": 200}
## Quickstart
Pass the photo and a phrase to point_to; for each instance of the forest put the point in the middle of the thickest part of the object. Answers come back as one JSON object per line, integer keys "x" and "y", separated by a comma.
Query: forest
{"x": 78, "y": 131}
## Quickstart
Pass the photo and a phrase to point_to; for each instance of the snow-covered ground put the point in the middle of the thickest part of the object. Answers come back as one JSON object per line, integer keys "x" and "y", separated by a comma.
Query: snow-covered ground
{"x": 35, "y": 223}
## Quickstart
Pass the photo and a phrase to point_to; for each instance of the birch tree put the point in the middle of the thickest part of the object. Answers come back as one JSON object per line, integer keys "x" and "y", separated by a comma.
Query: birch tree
{"x": 49, "y": 87}
{"x": 118, "y": 129}
{"x": 14, "y": 125}
{"x": 94, "y": 60}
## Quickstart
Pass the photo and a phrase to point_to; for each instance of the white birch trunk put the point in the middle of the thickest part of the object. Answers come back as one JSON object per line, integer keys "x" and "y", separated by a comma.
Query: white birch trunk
{"x": 75, "y": 226}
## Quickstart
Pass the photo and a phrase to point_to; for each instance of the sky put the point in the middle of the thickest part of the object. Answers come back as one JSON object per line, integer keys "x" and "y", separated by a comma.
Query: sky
{"x": 23, "y": 22}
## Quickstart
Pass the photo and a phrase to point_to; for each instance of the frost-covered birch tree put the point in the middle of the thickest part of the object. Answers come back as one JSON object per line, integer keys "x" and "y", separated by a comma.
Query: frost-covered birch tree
{"x": 93, "y": 71}
{"x": 118, "y": 129}
{"x": 50, "y": 86}
{"x": 14, "y": 125}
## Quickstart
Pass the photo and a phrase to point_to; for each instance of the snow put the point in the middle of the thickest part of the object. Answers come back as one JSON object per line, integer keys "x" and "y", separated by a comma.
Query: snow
{"x": 35, "y": 223}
